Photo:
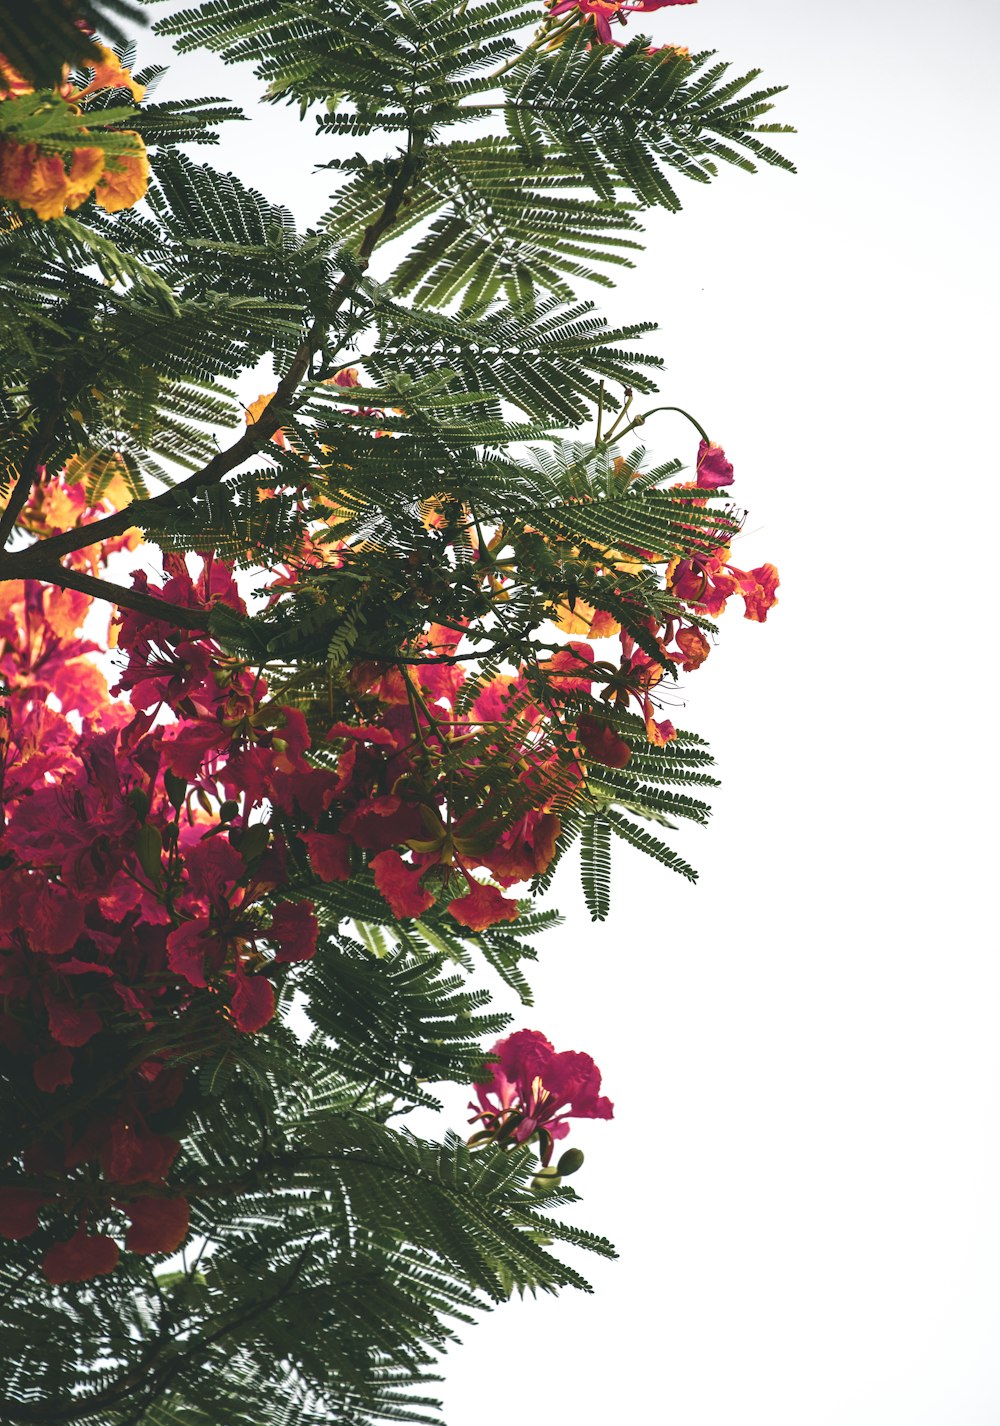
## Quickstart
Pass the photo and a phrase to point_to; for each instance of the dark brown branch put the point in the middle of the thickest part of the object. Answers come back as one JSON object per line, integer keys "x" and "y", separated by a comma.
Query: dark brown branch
{"x": 174, "y": 614}
{"x": 24, "y": 563}
{"x": 35, "y": 456}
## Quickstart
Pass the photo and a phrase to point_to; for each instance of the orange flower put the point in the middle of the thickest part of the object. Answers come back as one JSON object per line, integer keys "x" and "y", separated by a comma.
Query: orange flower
{"x": 41, "y": 183}
{"x": 125, "y": 182}
{"x": 109, "y": 73}
{"x": 254, "y": 412}
{"x": 12, "y": 84}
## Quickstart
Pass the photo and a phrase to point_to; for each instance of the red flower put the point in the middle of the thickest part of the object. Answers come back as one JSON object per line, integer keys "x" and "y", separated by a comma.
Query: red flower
{"x": 714, "y": 470}
{"x": 80, "y": 1258}
{"x": 159, "y": 1225}
{"x": 52, "y": 917}
{"x": 601, "y": 743}
{"x": 134, "y": 1154}
{"x": 54, "y": 1070}
{"x": 19, "y": 1212}
{"x": 758, "y": 590}
{"x": 482, "y": 906}
{"x": 186, "y": 947}
{"x": 252, "y": 1002}
{"x": 534, "y": 1090}
{"x": 294, "y": 929}
{"x": 694, "y": 646}
{"x": 399, "y": 883}
{"x": 329, "y": 854}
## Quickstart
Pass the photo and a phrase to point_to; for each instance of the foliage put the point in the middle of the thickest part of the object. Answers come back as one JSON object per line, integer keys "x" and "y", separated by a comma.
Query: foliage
{"x": 413, "y": 638}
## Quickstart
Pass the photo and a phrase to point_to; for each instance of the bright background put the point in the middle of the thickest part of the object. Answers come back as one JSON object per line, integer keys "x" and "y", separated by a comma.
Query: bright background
{"x": 803, "y": 1176}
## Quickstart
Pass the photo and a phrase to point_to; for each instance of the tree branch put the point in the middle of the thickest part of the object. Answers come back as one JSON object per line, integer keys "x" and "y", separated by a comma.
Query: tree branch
{"x": 24, "y": 563}
{"x": 28, "y": 475}
{"x": 174, "y": 614}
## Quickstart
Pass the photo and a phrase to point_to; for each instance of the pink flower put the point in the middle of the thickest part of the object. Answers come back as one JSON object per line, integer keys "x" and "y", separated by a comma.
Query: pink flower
{"x": 534, "y": 1090}
{"x": 713, "y": 468}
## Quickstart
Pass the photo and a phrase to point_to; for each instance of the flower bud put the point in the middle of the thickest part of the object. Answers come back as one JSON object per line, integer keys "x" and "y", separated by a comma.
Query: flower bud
{"x": 149, "y": 850}
{"x": 176, "y": 789}
{"x": 228, "y": 810}
{"x": 139, "y": 803}
{"x": 545, "y": 1179}
{"x": 569, "y": 1162}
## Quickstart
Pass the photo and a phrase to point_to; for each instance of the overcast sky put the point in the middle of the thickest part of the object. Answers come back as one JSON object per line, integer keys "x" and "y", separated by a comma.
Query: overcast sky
{"x": 803, "y": 1176}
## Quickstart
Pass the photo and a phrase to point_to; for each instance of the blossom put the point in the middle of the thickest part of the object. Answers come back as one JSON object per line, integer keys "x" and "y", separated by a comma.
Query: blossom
{"x": 125, "y": 178}
{"x": 159, "y": 1225}
{"x": 758, "y": 589}
{"x": 252, "y": 1002}
{"x": 603, "y": 12}
{"x": 80, "y": 1258}
{"x": 399, "y": 883}
{"x": 42, "y": 183}
{"x": 19, "y": 1212}
{"x": 294, "y": 928}
{"x": 601, "y": 743}
{"x": 714, "y": 470}
{"x": 482, "y": 906}
{"x": 532, "y": 1090}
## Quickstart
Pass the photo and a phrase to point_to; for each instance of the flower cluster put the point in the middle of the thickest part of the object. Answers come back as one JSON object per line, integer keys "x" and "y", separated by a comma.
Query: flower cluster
{"x": 532, "y": 1091}
{"x": 48, "y": 182}
{"x": 149, "y": 835}
{"x": 605, "y": 13}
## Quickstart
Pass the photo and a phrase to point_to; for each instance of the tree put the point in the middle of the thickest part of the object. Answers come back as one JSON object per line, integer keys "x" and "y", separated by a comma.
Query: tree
{"x": 406, "y": 650}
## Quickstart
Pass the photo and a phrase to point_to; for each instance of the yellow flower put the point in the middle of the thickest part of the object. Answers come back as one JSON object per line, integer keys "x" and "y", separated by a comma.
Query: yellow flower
{"x": 126, "y": 180}
{"x": 41, "y": 182}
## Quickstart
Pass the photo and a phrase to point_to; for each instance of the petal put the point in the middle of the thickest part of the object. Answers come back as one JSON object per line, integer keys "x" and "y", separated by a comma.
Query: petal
{"x": 159, "y": 1225}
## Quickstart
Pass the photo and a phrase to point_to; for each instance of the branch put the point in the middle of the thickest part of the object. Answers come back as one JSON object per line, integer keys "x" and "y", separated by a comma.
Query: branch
{"x": 177, "y": 615}
{"x": 28, "y": 475}
{"x": 24, "y": 563}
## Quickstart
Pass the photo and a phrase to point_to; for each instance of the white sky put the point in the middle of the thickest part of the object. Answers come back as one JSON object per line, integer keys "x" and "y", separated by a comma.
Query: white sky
{"x": 803, "y": 1177}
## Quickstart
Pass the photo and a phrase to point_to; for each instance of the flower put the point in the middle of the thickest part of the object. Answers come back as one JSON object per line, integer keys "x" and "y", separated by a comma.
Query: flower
{"x": 534, "y": 1090}
{"x": 399, "y": 883}
{"x": 482, "y": 906}
{"x": 159, "y": 1225}
{"x": 713, "y": 468}
{"x": 603, "y": 12}
{"x": 125, "y": 180}
{"x": 42, "y": 183}
{"x": 80, "y": 1258}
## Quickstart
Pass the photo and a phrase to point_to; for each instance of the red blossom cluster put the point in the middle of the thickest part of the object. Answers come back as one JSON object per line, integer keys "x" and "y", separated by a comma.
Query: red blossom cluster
{"x": 532, "y": 1091}
{"x": 605, "y": 13}
{"x": 148, "y": 835}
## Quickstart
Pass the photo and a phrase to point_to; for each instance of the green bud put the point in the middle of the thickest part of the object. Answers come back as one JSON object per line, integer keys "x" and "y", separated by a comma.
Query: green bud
{"x": 139, "y": 803}
{"x": 176, "y": 789}
{"x": 570, "y": 1161}
{"x": 204, "y": 801}
{"x": 228, "y": 810}
{"x": 545, "y": 1179}
{"x": 149, "y": 850}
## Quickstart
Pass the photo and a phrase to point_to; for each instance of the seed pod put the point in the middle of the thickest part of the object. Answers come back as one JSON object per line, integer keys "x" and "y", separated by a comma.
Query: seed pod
{"x": 176, "y": 789}
{"x": 149, "y": 850}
